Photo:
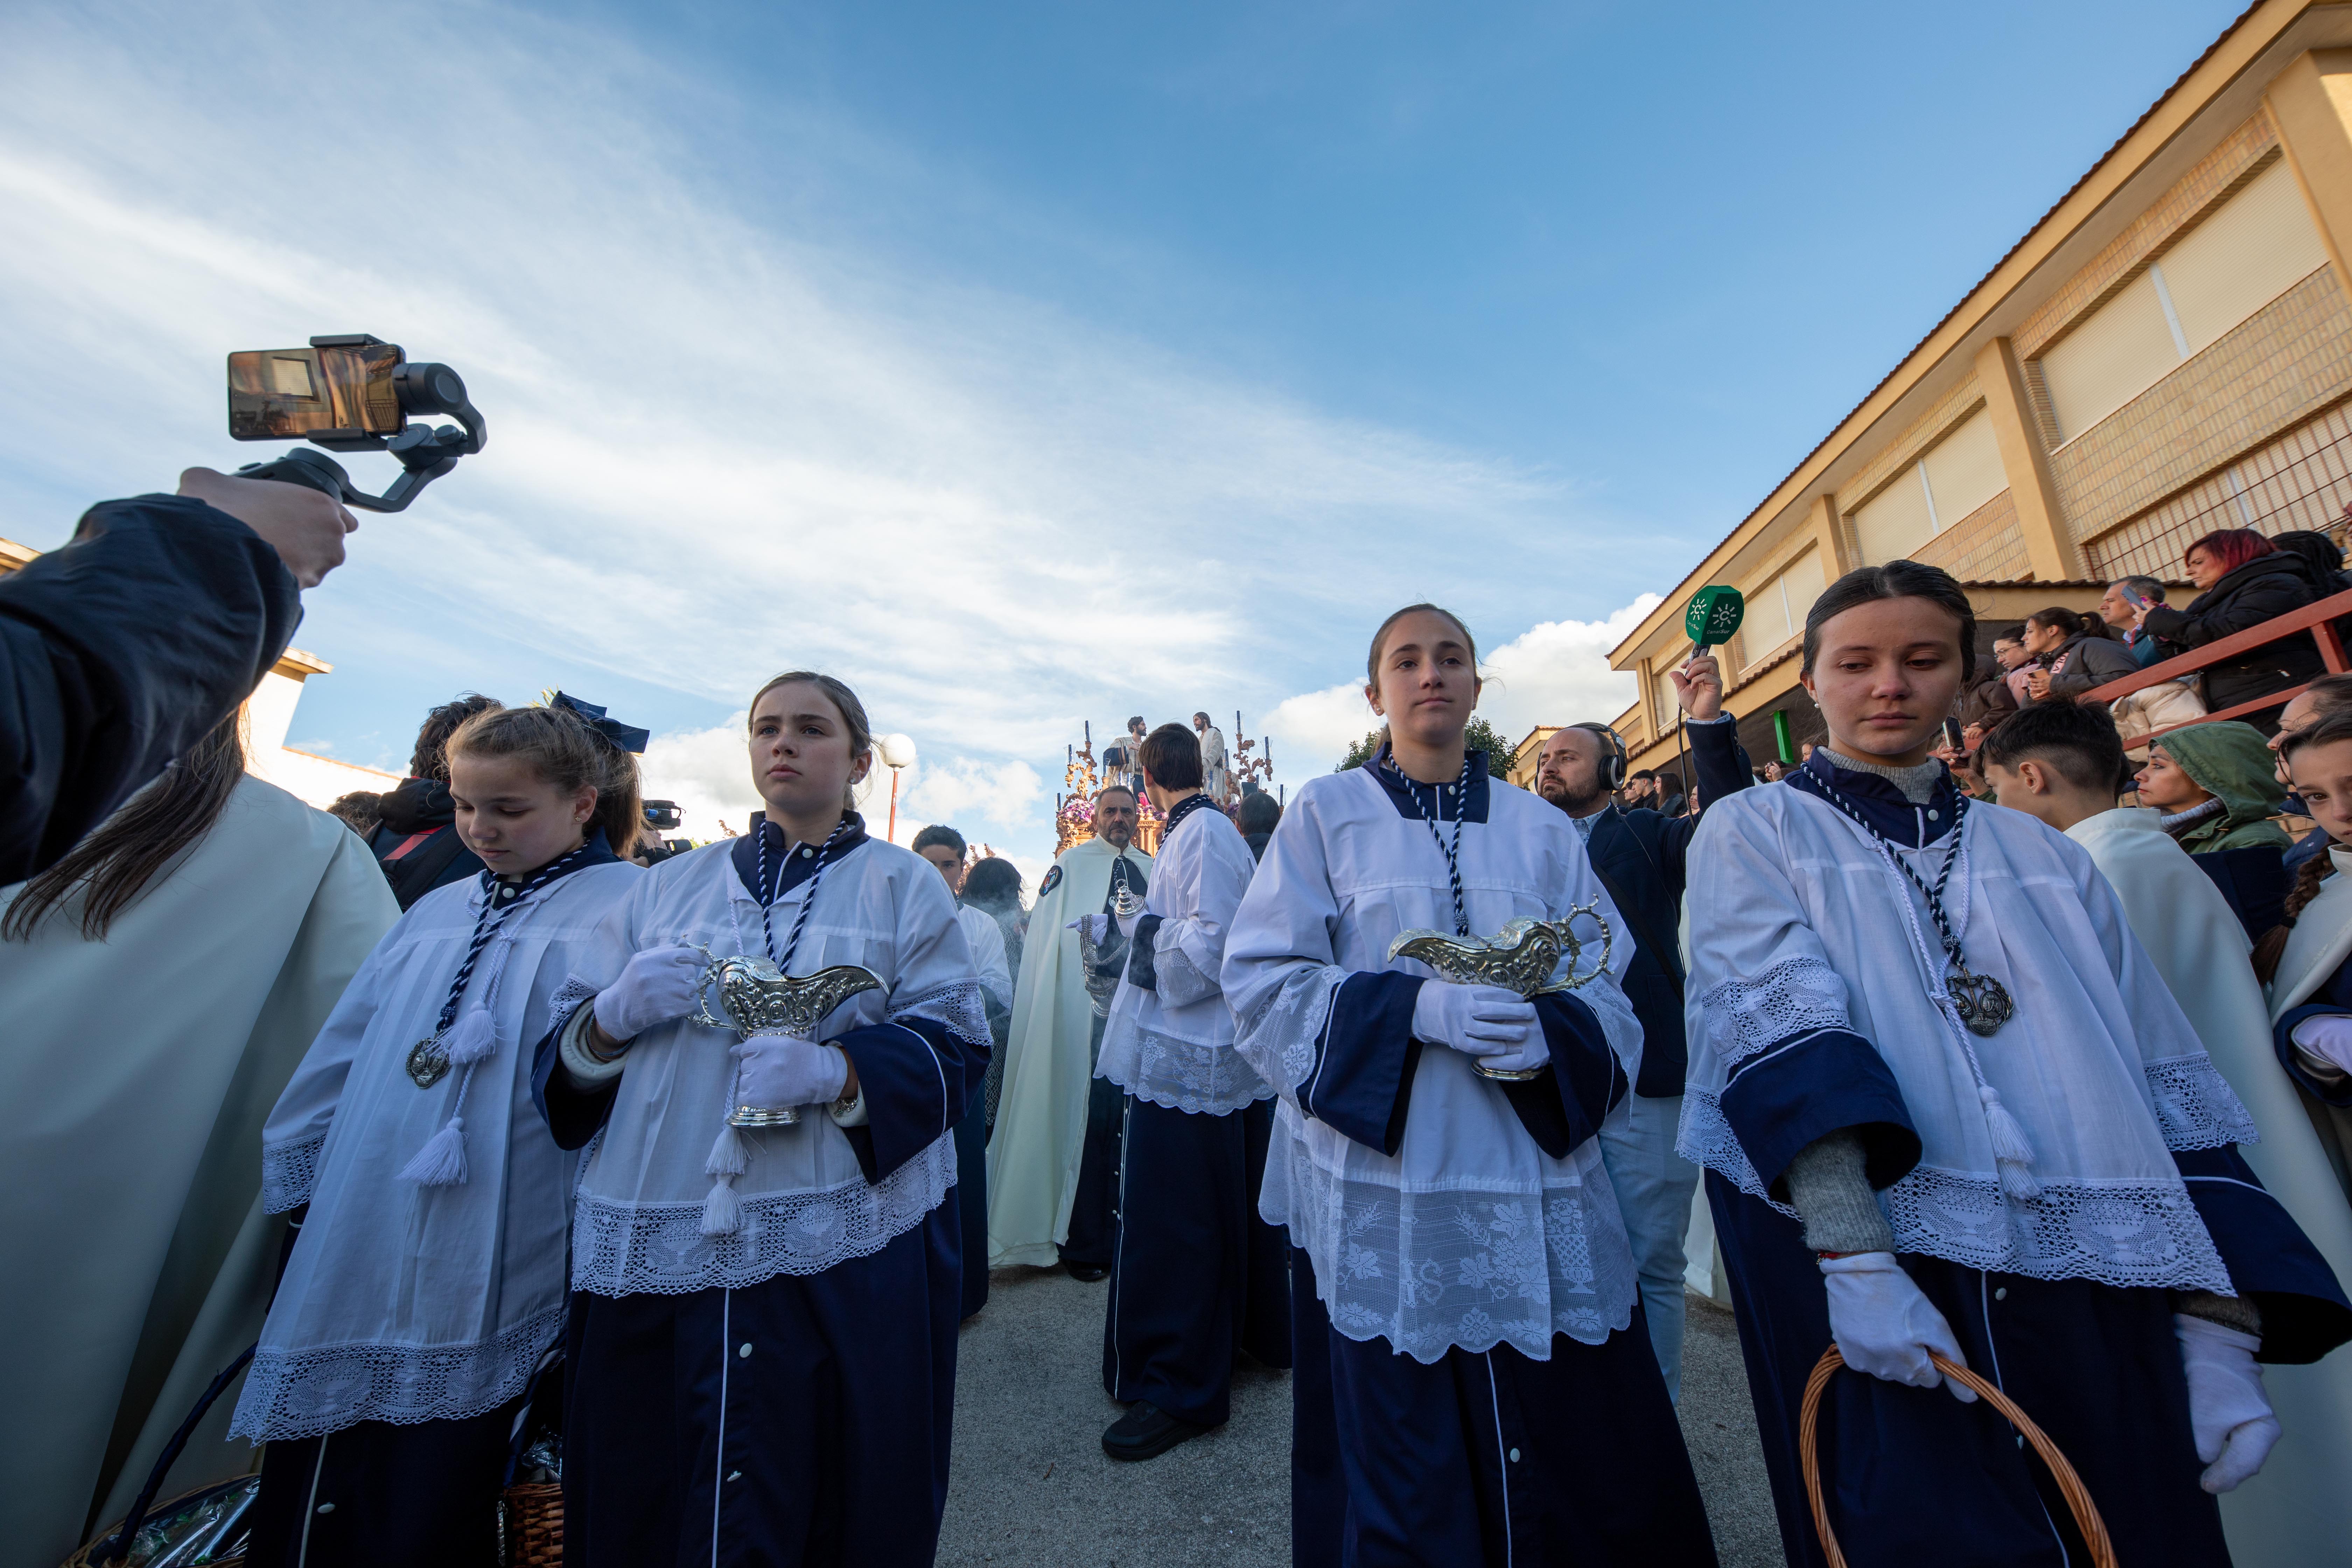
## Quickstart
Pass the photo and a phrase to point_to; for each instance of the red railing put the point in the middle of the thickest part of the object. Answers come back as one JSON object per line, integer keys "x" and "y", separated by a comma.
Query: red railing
{"x": 2318, "y": 619}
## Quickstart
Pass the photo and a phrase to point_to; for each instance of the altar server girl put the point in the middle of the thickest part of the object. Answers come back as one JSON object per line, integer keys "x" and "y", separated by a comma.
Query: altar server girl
{"x": 429, "y": 1281}
{"x": 762, "y": 1342}
{"x": 1472, "y": 1383}
{"x": 1947, "y": 1105}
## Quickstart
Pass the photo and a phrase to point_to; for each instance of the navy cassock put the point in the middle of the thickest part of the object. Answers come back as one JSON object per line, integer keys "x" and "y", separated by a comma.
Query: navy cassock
{"x": 1199, "y": 1276}
{"x": 782, "y": 1394}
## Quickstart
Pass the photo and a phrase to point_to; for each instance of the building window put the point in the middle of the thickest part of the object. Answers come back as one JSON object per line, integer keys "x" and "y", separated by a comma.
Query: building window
{"x": 1776, "y": 610}
{"x": 1954, "y": 477}
{"x": 2255, "y": 248}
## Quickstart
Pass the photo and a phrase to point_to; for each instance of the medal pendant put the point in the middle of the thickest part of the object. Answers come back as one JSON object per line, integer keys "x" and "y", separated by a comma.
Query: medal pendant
{"x": 1982, "y": 1002}
{"x": 428, "y": 1064}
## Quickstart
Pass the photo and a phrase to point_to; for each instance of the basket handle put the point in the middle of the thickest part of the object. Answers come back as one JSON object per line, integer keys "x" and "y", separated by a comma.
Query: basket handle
{"x": 2070, "y": 1485}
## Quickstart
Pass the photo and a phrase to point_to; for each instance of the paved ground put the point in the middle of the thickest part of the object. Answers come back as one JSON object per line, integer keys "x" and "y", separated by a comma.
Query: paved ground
{"x": 1032, "y": 1485}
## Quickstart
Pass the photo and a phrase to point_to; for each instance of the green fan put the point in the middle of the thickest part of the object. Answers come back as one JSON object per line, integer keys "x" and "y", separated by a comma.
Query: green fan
{"x": 1714, "y": 614}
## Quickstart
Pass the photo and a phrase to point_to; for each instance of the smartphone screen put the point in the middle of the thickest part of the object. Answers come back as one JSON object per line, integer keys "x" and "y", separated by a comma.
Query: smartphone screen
{"x": 1952, "y": 733}
{"x": 277, "y": 393}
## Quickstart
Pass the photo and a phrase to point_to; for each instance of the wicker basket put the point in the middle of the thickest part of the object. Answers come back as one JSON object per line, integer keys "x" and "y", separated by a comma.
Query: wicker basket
{"x": 2070, "y": 1485}
{"x": 534, "y": 1524}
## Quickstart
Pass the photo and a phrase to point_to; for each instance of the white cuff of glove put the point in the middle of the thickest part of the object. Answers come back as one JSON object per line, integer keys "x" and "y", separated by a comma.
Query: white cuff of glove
{"x": 572, "y": 1046}
{"x": 851, "y": 1115}
{"x": 1884, "y": 1326}
{"x": 2230, "y": 1412}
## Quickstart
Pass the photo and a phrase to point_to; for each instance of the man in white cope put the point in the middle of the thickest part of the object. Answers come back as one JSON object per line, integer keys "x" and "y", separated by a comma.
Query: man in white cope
{"x": 1052, "y": 1177}
{"x": 1197, "y": 1277}
{"x": 2063, "y": 763}
{"x": 1950, "y": 1109}
{"x": 945, "y": 849}
{"x": 1639, "y": 856}
{"x": 1472, "y": 1383}
{"x": 1216, "y": 776}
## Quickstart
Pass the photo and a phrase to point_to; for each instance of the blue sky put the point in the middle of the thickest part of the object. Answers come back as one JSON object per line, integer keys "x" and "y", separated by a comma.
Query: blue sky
{"x": 1023, "y": 363}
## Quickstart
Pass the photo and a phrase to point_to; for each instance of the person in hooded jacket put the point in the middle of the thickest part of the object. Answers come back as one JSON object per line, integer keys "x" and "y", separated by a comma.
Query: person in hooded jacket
{"x": 414, "y": 841}
{"x": 2216, "y": 788}
{"x": 2072, "y": 656}
{"x": 2244, "y": 580}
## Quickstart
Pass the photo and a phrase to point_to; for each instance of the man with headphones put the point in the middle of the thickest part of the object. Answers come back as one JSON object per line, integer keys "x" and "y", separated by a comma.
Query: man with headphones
{"x": 1638, "y": 856}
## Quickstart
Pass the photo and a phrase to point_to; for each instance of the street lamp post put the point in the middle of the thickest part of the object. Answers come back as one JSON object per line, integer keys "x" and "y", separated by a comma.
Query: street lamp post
{"x": 897, "y": 751}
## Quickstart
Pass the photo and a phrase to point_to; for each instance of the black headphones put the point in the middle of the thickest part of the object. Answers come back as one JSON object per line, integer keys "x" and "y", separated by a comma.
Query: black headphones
{"x": 1612, "y": 766}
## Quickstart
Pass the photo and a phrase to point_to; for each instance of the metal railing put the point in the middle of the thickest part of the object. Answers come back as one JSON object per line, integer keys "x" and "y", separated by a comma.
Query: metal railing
{"x": 2318, "y": 619}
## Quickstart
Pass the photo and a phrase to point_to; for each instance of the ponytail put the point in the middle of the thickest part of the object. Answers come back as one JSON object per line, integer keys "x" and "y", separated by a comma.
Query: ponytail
{"x": 2273, "y": 947}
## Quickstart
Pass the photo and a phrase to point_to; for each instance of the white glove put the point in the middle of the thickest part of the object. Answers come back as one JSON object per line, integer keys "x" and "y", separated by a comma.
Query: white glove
{"x": 1126, "y": 925}
{"x": 1496, "y": 1025}
{"x": 1096, "y": 926}
{"x": 2228, "y": 1411}
{"x": 2328, "y": 1037}
{"x": 778, "y": 1072}
{"x": 1884, "y": 1326}
{"x": 657, "y": 985}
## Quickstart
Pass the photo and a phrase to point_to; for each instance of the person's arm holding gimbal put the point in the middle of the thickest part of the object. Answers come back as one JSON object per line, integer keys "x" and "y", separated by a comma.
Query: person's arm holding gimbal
{"x": 121, "y": 649}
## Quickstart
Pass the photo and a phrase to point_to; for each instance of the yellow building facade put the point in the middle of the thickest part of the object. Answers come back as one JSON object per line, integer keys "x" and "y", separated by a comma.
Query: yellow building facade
{"x": 2168, "y": 351}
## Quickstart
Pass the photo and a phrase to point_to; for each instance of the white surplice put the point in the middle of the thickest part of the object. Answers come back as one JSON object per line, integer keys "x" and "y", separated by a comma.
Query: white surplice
{"x": 1798, "y": 921}
{"x": 408, "y": 1303}
{"x": 1174, "y": 1045}
{"x": 806, "y": 1204}
{"x": 1470, "y": 1235}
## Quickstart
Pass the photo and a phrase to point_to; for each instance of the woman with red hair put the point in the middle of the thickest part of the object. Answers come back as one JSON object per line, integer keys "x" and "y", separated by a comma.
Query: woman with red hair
{"x": 2244, "y": 580}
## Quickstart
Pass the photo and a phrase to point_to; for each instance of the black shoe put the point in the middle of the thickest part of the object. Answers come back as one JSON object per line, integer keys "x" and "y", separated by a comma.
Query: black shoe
{"x": 1087, "y": 1272}
{"x": 1146, "y": 1432}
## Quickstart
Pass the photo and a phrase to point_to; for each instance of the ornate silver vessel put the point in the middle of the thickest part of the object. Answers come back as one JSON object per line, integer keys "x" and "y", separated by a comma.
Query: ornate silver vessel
{"x": 757, "y": 999}
{"x": 1100, "y": 987}
{"x": 1519, "y": 957}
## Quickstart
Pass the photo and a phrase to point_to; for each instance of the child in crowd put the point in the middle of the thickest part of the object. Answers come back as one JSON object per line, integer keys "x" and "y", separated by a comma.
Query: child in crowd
{"x": 1473, "y": 1383}
{"x": 765, "y": 1267}
{"x": 429, "y": 1279}
{"x": 1947, "y": 1105}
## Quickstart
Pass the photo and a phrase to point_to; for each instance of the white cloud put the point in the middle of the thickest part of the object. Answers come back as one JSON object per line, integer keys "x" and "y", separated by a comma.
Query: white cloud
{"x": 1315, "y": 728}
{"x": 1556, "y": 672}
{"x": 707, "y": 772}
{"x": 726, "y": 438}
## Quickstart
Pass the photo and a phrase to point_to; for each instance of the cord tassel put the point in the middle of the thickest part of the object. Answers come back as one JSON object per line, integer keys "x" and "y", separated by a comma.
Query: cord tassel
{"x": 729, "y": 1154}
{"x": 2013, "y": 1156}
{"x": 722, "y": 1211}
{"x": 472, "y": 1039}
{"x": 442, "y": 1161}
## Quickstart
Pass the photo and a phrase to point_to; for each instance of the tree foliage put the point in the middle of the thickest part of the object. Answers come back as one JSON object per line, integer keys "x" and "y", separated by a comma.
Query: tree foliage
{"x": 1480, "y": 736}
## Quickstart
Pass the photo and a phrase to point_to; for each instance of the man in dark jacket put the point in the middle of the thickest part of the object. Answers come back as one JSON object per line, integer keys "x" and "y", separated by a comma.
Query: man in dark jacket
{"x": 1638, "y": 857}
{"x": 2072, "y": 655}
{"x": 415, "y": 841}
{"x": 2245, "y": 581}
{"x": 124, "y": 647}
